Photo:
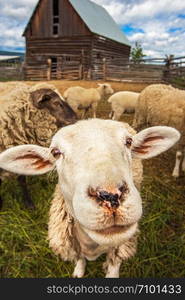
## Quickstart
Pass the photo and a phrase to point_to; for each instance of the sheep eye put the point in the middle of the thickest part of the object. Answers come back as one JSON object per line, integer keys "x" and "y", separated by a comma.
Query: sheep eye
{"x": 129, "y": 142}
{"x": 56, "y": 152}
{"x": 57, "y": 103}
{"x": 92, "y": 192}
{"x": 46, "y": 98}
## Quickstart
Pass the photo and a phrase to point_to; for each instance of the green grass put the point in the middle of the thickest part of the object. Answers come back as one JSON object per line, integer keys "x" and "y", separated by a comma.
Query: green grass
{"x": 24, "y": 250}
{"x": 179, "y": 82}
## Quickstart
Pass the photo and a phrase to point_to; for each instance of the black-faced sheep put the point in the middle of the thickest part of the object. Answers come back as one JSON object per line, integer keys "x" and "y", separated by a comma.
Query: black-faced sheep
{"x": 96, "y": 206}
{"x": 30, "y": 115}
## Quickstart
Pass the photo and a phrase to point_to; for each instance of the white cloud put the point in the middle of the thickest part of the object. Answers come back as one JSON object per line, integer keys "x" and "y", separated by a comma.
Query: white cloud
{"x": 161, "y": 29}
{"x": 156, "y": 19}
{"x": 19, "y": 13}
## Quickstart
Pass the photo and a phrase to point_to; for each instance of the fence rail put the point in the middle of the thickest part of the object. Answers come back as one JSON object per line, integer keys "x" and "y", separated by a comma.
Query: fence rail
{"x": 73, "y": 67}
{"x": 152, "y": 69}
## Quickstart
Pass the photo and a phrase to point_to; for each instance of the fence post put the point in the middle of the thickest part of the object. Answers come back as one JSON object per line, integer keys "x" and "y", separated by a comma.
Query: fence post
{"x": 104, "y": 69}
{"x": 81, "y": 66}
{"x": 59, "y": 68}
{"x": 80, "y": 71}
{"x": 49, "y": 69}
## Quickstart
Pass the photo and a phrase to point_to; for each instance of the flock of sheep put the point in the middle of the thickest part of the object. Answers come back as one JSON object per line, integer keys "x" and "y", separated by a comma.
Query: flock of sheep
{"x": 98, "y": 161}
{"x": 158, "y": 104}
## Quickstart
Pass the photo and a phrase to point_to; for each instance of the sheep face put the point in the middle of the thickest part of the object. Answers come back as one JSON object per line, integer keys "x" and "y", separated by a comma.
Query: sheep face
{"x": 93, "y": 159}
{"x": 96, "y": 179}
{"x": 107, "y": 90}
{"x": 50, "y": 100}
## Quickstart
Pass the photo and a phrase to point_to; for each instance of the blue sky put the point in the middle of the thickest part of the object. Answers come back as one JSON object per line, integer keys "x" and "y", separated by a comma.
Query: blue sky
{"x": 159, "y": 25}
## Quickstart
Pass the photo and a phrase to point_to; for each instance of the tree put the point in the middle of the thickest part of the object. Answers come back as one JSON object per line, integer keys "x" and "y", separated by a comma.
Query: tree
{"x": 137, "y": 53}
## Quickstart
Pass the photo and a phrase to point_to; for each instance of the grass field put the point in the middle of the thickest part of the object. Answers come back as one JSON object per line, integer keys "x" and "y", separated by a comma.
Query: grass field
{"x": 24, "y": 250}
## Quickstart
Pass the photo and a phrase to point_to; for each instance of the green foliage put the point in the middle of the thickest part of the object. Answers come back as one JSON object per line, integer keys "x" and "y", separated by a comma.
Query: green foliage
{"x": 137, "y": 53}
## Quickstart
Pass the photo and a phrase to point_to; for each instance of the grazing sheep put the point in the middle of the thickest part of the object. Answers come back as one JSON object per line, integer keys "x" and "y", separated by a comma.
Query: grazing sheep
{"x": 96, "y": 206}
{"x": 162, "y": 104}
{"x": 30, "y": 115}
{"x": 80, "y": 98}
{"x": 122, "y": 102}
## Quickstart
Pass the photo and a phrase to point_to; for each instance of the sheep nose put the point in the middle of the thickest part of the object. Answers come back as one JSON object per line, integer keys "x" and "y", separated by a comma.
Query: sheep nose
{"x": 113, "y": 199}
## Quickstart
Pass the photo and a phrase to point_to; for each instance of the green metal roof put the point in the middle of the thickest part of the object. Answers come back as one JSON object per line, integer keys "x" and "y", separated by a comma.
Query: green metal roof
{"x": 98, "y": 20}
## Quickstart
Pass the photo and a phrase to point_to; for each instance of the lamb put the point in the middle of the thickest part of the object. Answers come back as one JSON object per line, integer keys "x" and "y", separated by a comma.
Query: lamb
{"x": 165, "y": 105}
{"x": 98, "y": 178}
{"x": 122, "y": 102}
{"x": 80, "y": 98}
{"x": 31, "y": 115}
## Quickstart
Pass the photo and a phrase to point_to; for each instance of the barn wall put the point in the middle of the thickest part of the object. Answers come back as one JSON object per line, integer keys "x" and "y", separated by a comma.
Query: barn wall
{"x": 70, "y": 23}
{"x": 41, "y": 23}
{"x": 104, "y": 48}
{"x": 73, "y": 38}
{"x": 40, "y": 50}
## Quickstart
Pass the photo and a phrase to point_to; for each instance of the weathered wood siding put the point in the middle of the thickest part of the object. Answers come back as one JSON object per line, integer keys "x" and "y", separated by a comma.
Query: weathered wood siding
{"x": 138, "y": 72}
{"x": 40, "y": 50}
{"x": 73, "y": 39}
{"x": 111, "y": 51}
{"x": 70, "y": 23}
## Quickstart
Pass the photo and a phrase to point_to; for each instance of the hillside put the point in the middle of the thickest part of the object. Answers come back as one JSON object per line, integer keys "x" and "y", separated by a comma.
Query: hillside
{"x": 8, "y": 53}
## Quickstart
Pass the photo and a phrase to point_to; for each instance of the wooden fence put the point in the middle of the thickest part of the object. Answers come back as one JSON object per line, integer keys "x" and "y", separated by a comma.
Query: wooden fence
{"x": 66, "y": 67}
{"x": 145, "y": 70}
{"x": 175, "y": 69}
{"x": 74, "y": 67}
{"x": 11, "y": 72}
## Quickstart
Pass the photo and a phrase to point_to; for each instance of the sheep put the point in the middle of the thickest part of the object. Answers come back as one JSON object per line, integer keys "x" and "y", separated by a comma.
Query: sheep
{"x": 80, "y": 98}
{"x": 122, "y": 102}
{"x": 100, "y": 171}
{"x": 165, "y": 105}
{"x": 5, "y": 87}
{"x": 31, "y": 115}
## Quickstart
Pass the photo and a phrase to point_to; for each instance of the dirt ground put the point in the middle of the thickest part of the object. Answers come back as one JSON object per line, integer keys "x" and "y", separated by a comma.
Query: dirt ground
{"x": 104, "y": 107}
{"x": 62, "y": 85}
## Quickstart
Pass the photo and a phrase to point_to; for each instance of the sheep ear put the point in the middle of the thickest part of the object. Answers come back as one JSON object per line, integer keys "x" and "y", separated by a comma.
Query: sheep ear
{"x": 27, "y": 160}
{"x": 154, "y": 140}
{"x": 38, "y": 97}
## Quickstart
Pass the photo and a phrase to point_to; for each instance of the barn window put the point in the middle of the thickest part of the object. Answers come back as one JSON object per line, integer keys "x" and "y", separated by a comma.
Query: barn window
{"x": 55, "y": 7}
{"x": 55, "y": 17}
{"x": 55, "y": 20}
{"x": 55, "y": 30}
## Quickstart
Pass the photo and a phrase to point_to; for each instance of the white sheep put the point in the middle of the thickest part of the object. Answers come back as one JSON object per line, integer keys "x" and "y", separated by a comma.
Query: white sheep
{"x": 80, "y": 98}
{"x": 96, "y": 206}
{"x": 122, "y": 102}
{"x": 165, "y": 105}
{"x": 8, "y": 86}
{"x": 30, "y": 115}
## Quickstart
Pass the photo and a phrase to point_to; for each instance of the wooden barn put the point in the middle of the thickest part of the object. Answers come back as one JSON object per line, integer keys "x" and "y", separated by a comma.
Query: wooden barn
{"x": 72, "y": 39}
